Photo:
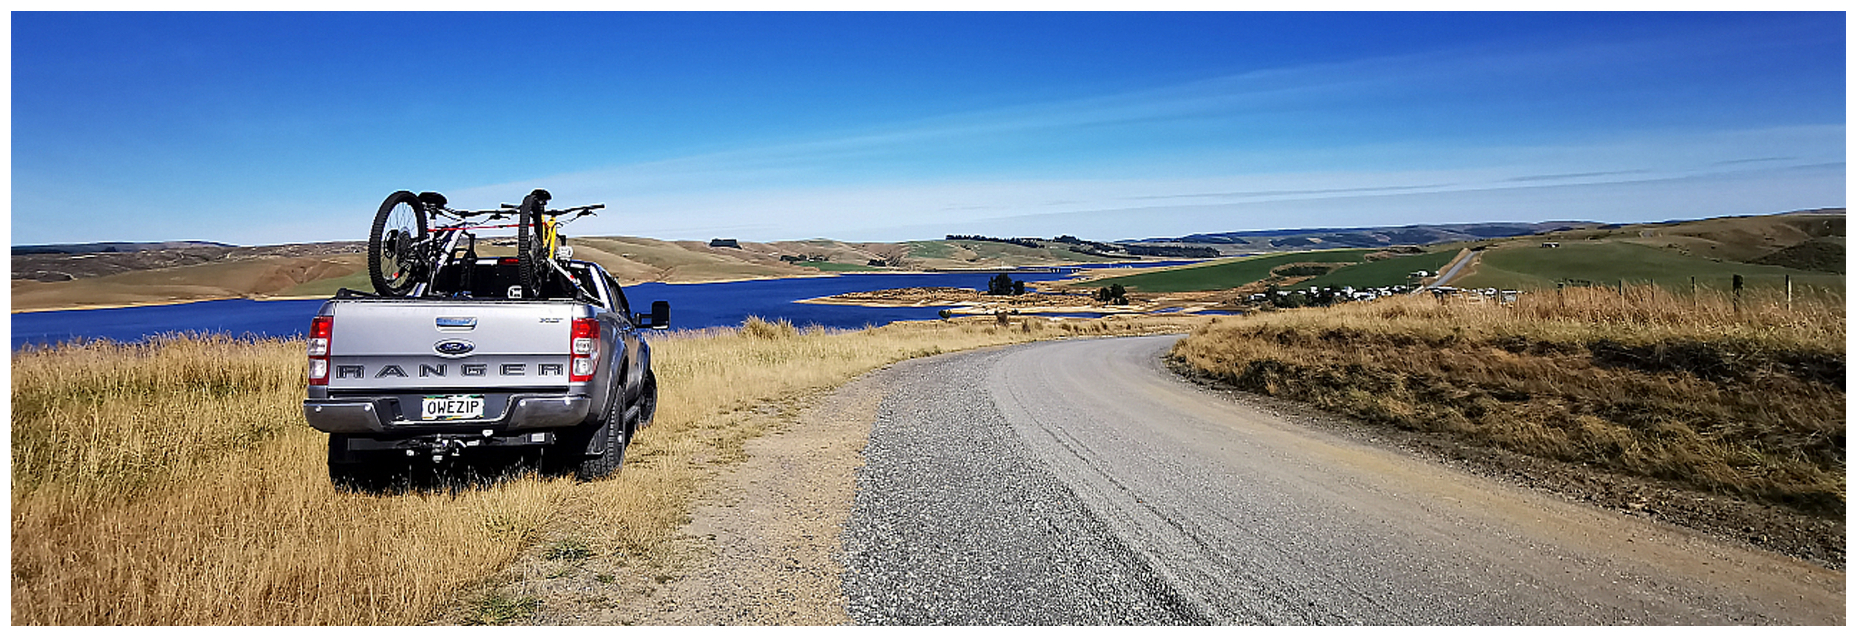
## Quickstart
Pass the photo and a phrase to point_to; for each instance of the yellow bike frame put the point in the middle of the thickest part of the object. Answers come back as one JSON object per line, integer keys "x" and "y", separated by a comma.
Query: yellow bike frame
{"x": 551, "y": 240}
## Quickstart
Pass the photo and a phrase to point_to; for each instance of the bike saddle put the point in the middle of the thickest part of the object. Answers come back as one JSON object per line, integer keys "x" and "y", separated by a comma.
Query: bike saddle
{"x": 432, "y": 199}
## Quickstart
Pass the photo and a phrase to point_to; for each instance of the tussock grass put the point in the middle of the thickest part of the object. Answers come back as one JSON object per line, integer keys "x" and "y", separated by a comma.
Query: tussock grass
{"x": 175, "y": 483}
{"x": 1747, "y": 402}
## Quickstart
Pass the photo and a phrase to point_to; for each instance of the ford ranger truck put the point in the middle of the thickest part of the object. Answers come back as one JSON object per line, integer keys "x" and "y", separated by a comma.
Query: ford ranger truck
{"x": 467, "y": 367}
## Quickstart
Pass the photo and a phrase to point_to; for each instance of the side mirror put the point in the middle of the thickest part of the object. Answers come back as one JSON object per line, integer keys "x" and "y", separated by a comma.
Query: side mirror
{"x": 660, "y": 316}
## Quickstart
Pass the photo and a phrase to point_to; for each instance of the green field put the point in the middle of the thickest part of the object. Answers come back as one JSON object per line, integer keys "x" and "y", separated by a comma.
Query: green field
{"x": 829, "y": 266}
{"x": 1004, "y": 253}
{"x": 930, "y": 249}
{"x": 1226, "y": 274}
{"x": 1385, "y": 273}
{"x": 328, "y": 287}
{"x": 1531, "y": 267}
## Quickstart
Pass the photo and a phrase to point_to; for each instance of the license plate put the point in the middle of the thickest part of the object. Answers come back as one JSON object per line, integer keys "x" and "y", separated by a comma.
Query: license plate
{"x": 452, "y": 408}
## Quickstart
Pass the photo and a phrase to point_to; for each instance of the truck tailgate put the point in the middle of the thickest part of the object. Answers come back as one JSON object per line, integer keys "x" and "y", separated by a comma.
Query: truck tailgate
{"x": 420, "y": 345}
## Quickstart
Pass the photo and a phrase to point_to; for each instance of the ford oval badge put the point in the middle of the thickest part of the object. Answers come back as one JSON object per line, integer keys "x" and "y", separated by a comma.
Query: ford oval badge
{"x": 454, "y": 347}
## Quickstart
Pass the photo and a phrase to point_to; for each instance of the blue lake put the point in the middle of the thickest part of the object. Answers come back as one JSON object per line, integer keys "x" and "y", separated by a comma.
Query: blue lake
{"x": 693, "y": 306}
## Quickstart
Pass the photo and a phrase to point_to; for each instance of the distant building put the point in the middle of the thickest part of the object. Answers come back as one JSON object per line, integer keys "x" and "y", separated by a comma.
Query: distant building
{"x": 724, "y": 243}
{"x": 1550, "y": 244}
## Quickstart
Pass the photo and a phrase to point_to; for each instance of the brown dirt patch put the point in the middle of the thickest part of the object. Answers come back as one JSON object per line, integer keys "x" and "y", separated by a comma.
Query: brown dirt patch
{"x": 761, "y": 548}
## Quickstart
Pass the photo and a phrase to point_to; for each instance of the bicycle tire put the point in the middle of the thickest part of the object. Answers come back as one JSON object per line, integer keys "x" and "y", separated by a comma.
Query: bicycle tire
{"x": 392, "y": 270}
{"x": 530, "y": 243}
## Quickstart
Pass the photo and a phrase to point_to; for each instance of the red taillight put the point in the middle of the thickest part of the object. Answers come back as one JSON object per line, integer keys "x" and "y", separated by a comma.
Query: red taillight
{"x": 320, "y": 329}
{"x": 584, "y": 350}
{"x": 508, "y": 261}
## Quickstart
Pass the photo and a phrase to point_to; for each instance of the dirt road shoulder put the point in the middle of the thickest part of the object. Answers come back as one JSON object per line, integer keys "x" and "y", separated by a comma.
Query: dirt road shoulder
{"x": 762, "y": 547}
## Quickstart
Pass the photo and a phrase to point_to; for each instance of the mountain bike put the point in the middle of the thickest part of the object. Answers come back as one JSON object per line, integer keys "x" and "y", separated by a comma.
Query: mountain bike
{"x": 405, "y": 254}
{"x": 539, "y": 243}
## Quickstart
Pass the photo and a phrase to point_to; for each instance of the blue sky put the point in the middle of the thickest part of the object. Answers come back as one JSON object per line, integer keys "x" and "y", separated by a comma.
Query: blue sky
{"x": 283, "y": 127}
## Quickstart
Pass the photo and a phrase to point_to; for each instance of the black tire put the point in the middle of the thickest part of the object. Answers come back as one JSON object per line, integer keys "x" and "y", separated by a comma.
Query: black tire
{"x": 600, "y": 466}
{"x": 530, "y": 270}
{"x": 400, "y": 222}
{"x": 569, "y": 453}
{"x": 347, "y": 473}
{"x": 647, "y": 403}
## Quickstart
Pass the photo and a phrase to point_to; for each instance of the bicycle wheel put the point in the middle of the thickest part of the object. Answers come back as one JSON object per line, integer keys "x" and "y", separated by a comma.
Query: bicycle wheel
{"x": 531, "y": 271}
{"x": 393, "y": 261}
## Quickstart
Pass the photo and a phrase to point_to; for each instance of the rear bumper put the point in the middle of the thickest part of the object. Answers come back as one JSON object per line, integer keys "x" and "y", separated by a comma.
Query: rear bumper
{"x": 380, "y": 415}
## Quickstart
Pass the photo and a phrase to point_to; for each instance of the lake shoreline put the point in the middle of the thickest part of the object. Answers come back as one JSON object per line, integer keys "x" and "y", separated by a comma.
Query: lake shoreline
{"x": 313, "y": 297}
{"x": 118, "y": 306}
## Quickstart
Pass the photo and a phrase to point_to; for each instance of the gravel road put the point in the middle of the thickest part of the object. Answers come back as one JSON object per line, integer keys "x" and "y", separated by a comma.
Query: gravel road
{"x": 1079, "y": 482}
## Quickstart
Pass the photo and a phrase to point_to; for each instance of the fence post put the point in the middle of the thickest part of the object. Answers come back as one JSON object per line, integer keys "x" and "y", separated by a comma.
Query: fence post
{"x": 1560, "y": 296}
{"x": 1789, "y": 293}
{"x": 1737, "y": 294}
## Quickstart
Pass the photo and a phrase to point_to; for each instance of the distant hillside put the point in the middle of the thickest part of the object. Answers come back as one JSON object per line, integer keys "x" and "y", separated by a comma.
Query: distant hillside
{"x": 1807, "y": 246}
{"x": 1823, "y": 255}
{"x": 1246, "y": 241}
{"x": 196, "y": 271}
{"x": 113, "y": 246}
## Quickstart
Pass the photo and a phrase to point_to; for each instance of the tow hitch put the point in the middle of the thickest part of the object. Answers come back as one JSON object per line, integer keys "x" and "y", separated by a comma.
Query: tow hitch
{"x": 441, "y": 447}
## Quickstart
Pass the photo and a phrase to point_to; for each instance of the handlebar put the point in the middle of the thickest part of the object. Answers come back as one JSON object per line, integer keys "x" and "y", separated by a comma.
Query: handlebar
{"x": 463, "y": 214}
{"x": 584, "y": 210}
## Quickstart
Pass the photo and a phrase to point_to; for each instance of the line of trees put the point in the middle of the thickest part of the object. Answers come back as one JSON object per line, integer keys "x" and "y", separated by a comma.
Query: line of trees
{"x": 1017, "y": 241}
{"x": 1169, "y": 251}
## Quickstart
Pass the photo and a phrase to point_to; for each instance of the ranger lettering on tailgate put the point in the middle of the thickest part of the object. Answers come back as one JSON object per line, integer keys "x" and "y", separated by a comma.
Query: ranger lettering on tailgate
{"x": 439, "y": 371}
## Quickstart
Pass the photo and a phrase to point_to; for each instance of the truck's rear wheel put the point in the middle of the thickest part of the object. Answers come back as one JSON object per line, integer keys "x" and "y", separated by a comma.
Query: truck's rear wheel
{"x": 600, "y": 466}
{"x": 647, "y": 403}
{"x": 349, "y": 474}
{"x": 569, "y": 453}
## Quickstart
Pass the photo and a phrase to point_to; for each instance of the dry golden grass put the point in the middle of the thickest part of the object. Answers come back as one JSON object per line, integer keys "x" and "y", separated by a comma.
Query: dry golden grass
{"x": 176, "y": 483}
{"x": 1746, "y": 402}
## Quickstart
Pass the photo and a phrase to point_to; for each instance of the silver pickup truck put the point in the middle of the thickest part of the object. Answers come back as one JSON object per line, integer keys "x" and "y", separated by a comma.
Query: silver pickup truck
{"x": 465, "y": 367}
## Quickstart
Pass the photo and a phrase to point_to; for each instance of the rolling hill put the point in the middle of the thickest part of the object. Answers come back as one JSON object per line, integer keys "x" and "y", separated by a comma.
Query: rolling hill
{"x": 1225, "y": 274}
{"x": 1807, "y": 245}
{"x": 1251, "y": 241}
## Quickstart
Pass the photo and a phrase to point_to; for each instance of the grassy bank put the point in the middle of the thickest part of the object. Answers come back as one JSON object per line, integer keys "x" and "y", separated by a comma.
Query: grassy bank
{"x": 1383, "y": 273}
{"x": 176, "y": 482}
{"x": 1530, "y": 267}
{"x": 1226, "y": 274}
{"x": 1689, "y": 390}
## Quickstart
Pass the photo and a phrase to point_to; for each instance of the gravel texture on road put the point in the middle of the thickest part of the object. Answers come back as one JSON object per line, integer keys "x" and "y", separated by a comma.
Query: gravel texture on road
{"x": 956, "y": 523}
{"x": 1079, "y": 482}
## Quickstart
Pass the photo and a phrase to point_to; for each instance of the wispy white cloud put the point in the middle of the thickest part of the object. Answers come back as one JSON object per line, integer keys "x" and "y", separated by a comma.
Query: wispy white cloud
{"x": 891, "y": 210}
{"x": 1114, "y": 159}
